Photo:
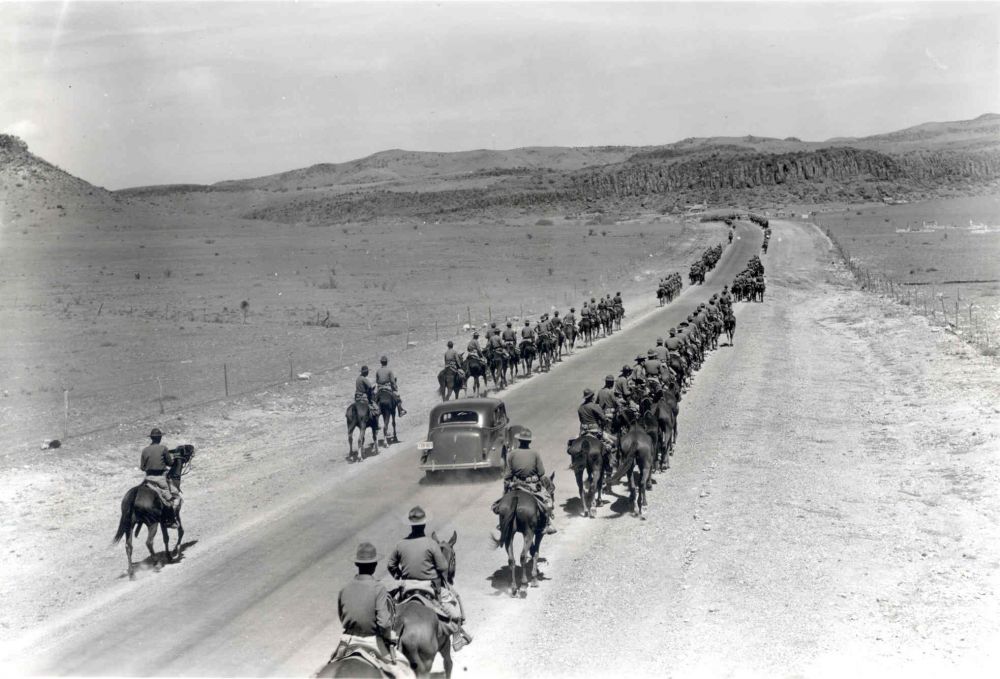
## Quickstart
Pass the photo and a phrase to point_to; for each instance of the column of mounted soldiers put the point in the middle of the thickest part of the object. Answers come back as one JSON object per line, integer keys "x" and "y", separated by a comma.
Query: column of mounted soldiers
{"x": 505, "y": 352}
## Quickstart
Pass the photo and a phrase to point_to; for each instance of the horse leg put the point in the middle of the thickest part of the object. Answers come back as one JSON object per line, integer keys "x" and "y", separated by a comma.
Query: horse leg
{"x": 150, "y": 534}
{"x": 128, "y": 552}
{"x": 514, "y": 583}
{"x": 180, "y": 533}
{"x": 535, "y": 545}
{"x": 527, "y": 567}
{"x": 579, "y": 485}
{"x": 166, "y": 542}
{"x": 350, "y": 442}
{"x": 445, "y": 650}
{"x": 395, "y": 436}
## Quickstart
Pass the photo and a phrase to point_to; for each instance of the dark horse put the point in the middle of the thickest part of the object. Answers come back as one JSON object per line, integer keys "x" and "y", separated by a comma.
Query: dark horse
{"x": 498, "y": 368}
{"x": 421, "y": 635}
{"x": 527, "y": 355}
{"x": 450, "y": 383}
{"x": 570, "y": 332}
{"x": 520, "y": 513}
{"x": 587, "y": 455}
{"x": 729, "y": 325}
{"x": 142, "y": 506}
{"x": 352, "y": 666}
{"x": 360, "y": 416}
{"x": 663, "y": 409}
{"x": 475, "y": 369}
{"x": 637, "y": 446}
{"x": 386, "y": 402}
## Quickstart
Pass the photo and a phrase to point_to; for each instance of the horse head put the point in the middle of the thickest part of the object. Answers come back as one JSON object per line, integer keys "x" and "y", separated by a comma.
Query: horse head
{"x": 448, "y": 549}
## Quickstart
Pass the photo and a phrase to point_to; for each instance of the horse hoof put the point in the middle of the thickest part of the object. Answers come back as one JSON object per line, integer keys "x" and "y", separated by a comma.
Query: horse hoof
{"x": 642, "y": 517}
{"x": 533, "y": 583}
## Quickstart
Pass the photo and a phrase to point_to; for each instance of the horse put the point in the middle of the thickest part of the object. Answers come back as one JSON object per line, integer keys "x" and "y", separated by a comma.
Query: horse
{"x": 498, "y": 368}
{"x": 544, "y": 348}
{"x": 361, "y": 416}
{"x": 663, "y": 412}
{"x": 729, "y": 324}
{"x": 587, "y": 330}
{"x": 587, "y": 455}
{"x": 450, "y": 382}
{"x": 421, "y": 635}
{"x": 142, "y": 506}
{"x": 475, "y": 368}
{"x": 386, "y": 402}
{"x": 618, "y": 313}
{"x": 520, "y": 513}
{"x": 637, "y": 446}
{"x": 570, "y": 330}
{"x": 527, "y": 355}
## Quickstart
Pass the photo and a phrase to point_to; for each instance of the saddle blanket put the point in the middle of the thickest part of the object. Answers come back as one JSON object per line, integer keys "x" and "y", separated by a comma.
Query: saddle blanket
{"x": 372, "y": 650}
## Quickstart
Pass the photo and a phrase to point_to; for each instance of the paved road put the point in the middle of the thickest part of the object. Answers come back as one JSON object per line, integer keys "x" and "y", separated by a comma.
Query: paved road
{"x": 266, "y": 605}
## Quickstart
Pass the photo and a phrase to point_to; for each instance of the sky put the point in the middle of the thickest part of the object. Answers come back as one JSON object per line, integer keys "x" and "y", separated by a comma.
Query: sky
{"x": 139, "y": 93}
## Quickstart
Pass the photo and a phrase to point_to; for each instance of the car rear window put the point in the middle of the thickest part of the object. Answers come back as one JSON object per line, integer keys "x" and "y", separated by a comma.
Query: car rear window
{"x": 456, "y": 416}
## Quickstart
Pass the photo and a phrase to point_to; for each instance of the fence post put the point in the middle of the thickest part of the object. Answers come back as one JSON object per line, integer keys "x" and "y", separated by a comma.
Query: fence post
{"x": 65, "y": 414}
{"x": 291, "y": 372}
{"x": 159, "y": 383}
{"x": 225, "y": 377}
{"x": 407, "y": 329}
{"x": 341, "y": 361}
{"x": 436, "y": 337}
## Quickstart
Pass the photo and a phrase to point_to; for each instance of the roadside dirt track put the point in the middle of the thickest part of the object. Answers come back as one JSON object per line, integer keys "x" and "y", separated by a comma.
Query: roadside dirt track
{"x": 829, "y": 509}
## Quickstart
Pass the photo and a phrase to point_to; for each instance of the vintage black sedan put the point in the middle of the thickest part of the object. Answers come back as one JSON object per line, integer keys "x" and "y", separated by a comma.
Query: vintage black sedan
{"x": 471, "y": 433}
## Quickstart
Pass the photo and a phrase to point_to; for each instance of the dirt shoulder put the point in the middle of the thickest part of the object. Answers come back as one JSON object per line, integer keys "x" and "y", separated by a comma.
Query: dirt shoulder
{"x": 833, "y": 506}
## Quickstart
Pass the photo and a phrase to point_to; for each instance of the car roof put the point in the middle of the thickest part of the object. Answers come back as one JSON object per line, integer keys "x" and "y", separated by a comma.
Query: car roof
{"x": 483, "y": 406}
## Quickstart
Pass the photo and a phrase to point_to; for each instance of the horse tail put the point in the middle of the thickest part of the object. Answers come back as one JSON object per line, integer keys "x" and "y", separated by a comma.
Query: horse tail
{"x": 124, "y": 524}
{"x": 507, "y": 526}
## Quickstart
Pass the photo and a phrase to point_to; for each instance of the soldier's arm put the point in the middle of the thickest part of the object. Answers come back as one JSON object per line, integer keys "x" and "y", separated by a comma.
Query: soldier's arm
{"x": 384, "y": 612}
{"x": 440, "y": 563}
{"x": 539, "y": 467}
{"x": 393, "y": 565}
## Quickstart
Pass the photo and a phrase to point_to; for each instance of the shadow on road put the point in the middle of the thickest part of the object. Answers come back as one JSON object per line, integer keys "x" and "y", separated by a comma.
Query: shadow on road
{"x": 159, "y": 559}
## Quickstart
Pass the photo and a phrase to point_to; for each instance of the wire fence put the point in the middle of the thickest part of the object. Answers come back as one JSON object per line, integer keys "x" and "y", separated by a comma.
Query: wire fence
{"x": 974, "y": 324}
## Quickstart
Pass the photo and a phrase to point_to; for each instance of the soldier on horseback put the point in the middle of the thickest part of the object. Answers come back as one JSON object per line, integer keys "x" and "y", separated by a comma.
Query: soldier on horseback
{"x": 156, "y": 460}
{"x": 364, "y": 390}
{"x": 494, "y": 345}
{"x": 367, "y": 615}
{"x": 419, "y": 557}
{"x": 385, "y": 379}
{"x": 525, "y": 471}
{"x": 594, "y": 418}
{"x": 473, "y": 349}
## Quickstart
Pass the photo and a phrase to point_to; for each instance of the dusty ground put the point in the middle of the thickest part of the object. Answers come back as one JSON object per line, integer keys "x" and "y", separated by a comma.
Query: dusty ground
{"x": 113, "y": 340}
{"x": 833, "y": 508}
{"x": 258, "y": 449}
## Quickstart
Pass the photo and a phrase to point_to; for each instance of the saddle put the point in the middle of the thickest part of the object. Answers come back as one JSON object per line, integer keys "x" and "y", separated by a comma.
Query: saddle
{"x": 426, "y": 593}
{"x": 368, "y": 650}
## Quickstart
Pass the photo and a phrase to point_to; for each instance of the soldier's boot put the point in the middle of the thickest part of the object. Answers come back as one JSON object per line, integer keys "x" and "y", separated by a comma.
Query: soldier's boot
{"x": 460, "y": 638}
{"x": 399, "y": 406}
{"x": 550, "y": 514}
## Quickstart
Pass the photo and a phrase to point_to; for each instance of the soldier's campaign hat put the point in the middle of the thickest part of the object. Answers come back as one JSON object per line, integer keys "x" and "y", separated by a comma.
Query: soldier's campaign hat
{"x": 527, "y": 322}
{"x": 659, "y": 340}
{"x": 366, "y": 553}
{"x": 417, "y": 516}
{"x": 588, "y": 393}
{"x": 364, "y": 368}
{"x": 640, "y": 358}
{"x": 523, "y": 435}
{"x": 509, "y": 324}
{"x": 626, "y": 369}
{"x": 650, "y": 354}
{"x": 609, "y": 378}
{"x": 156, "y": 433}
{"x": 572, "y": 308}
{"x": 475, "y": 334}
{"x": 384, "y": 359}
{"x": 493, "y": 324}
{"x": 555, "y": 313}
{"x": 673, "y": 332}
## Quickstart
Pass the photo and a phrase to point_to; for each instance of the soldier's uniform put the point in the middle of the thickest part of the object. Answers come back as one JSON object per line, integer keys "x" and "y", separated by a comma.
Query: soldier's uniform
{"x": 653, "y": 365}
{"x": 363, "y": 389}
{"x": 495, "y": 342}
{"x": 385, "y": 379}
{"x": 623, "y": 390}
{"x": 156, "y": 461}
{"x": 606, "y": 397}
{"x": 473, "y": 349}
{"x": 660, "y": 351}
{"x": 452, "y": 359}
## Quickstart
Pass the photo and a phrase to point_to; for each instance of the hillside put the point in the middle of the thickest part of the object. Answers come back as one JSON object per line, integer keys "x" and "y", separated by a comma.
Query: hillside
{"x": 938, "y": 158}
{"x": 31, "y": 186}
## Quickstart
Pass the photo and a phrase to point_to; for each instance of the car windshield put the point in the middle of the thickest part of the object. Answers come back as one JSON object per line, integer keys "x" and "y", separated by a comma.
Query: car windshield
{"x": 456, "y": 416}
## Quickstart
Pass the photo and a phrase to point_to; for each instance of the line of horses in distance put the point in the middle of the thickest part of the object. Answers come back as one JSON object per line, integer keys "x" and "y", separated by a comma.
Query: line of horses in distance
{"x": 638, "y": 437}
